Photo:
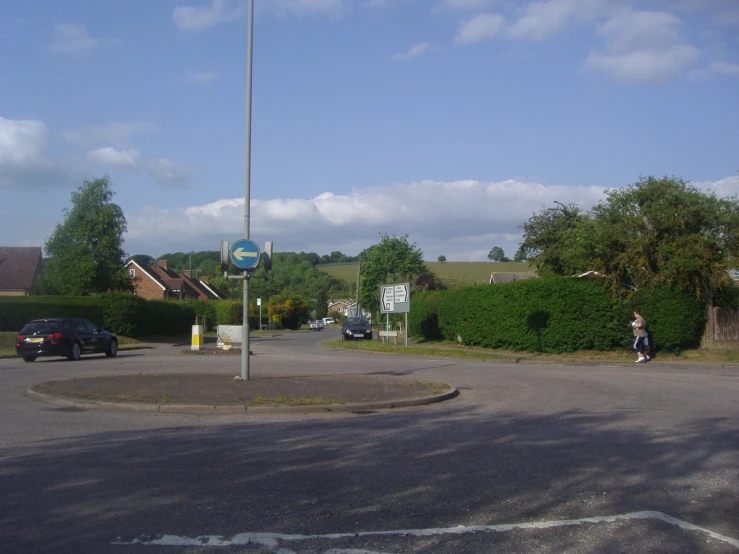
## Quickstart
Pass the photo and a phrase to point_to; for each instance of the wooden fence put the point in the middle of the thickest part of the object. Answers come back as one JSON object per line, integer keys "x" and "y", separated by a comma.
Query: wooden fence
{"x": 725, "y": 324}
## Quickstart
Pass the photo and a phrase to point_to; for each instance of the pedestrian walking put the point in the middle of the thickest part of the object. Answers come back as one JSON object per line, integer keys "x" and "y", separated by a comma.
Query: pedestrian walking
{"x": 641, "y": 337}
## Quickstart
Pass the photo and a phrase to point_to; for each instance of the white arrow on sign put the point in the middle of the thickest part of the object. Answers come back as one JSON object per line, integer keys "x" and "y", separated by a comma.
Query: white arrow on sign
{"x": 401, "y": 293}
{"x": 240, "y": 254}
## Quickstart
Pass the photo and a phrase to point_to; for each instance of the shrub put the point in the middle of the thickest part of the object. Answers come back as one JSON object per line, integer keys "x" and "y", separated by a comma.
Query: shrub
{"x": 16, "y": 311}
{"x": 555, "y": 315}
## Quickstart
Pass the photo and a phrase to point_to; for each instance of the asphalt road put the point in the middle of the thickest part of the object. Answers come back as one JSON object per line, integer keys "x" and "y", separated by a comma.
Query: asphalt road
{"x": 529, "y": 458}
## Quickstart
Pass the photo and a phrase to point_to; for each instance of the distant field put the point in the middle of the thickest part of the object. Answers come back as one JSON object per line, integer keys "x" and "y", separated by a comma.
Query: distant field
{"x": 471, "y": 272}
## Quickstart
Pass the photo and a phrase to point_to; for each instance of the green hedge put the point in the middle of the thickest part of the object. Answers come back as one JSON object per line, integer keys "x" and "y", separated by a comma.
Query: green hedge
{"x": 16, "y": 311}
{"x": 121, "y": 313}
{"x": 555, "y": 315}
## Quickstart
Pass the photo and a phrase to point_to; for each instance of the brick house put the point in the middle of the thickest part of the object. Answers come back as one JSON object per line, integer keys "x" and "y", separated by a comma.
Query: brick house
{"x": 20, "y": 268}
{"x": 158, "y": 282}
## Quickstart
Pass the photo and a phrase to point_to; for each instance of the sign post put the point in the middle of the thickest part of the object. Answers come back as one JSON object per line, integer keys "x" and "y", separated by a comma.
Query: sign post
{"x": 395, "y": 299}
{"x": 245, "y": 255}
{"x": 259, "y": 303}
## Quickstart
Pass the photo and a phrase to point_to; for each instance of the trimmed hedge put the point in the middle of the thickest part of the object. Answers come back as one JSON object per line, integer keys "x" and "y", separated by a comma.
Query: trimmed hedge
{"x": 16, "y": 311}
{"x": 555, "y": 315}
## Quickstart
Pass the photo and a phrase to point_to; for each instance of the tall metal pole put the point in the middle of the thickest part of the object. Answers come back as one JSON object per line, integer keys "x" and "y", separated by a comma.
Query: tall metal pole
{"x": 247, "y": 193}
{"x": 359, "y": 268}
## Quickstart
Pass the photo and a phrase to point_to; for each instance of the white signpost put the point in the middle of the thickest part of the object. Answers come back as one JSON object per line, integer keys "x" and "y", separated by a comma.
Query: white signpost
{"x": 395, "y": 299}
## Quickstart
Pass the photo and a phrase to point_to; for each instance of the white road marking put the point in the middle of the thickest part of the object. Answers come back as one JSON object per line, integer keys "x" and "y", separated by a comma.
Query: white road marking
{"x": 272, "y": 539}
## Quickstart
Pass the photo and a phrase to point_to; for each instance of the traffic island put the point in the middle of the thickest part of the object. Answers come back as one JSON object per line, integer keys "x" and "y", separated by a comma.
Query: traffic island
{"x": 226, "y": 394}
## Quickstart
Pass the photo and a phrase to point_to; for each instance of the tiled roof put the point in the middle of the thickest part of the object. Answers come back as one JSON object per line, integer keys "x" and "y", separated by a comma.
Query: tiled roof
{"x": 18, "y": 266}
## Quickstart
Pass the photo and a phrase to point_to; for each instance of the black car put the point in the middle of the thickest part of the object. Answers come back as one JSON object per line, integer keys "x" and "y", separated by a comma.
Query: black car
{"x": 63, "y": 336}
{"x": 356, "y": 328}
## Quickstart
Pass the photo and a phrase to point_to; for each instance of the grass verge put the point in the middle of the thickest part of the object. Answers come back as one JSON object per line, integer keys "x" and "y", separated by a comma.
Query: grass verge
{"x": 451, "y": 350}
{"x": 294, "y": 401}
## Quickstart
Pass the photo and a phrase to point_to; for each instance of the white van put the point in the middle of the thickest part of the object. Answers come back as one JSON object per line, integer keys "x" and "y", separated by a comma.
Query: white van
{"x": 328, "y": 321}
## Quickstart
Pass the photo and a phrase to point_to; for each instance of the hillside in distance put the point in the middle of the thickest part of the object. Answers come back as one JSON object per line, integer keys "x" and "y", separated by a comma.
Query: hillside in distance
{"x": 468, "y": 272}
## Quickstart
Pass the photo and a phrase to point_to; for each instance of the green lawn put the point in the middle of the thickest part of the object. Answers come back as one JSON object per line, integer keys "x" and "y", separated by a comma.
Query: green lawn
{"x": 471, "y": 272}
{"x": 7, "y": 343}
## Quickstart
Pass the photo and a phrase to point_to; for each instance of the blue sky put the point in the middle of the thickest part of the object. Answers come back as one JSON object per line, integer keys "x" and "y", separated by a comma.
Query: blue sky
{"x": 451, "y": 121}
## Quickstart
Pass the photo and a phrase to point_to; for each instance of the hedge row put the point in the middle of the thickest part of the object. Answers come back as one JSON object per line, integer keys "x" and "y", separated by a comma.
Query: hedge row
{"x": 555, "y": 315}
{"x": 123, "y": 314}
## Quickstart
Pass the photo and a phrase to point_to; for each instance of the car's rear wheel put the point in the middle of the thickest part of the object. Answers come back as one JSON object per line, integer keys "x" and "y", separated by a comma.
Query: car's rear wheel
{"x": 29, "y": 358}
{"x": 74, "y": 351}
{"x": 112, "y": 348}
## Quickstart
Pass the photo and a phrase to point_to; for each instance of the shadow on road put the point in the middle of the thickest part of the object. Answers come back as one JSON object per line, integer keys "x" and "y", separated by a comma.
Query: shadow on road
{"x": 411, "y": 469}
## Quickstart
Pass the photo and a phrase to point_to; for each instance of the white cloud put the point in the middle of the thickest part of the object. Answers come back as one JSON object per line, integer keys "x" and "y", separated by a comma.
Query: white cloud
{"x": 310, "y": 7}
{"x": 650, "y": 66}
{"x": 117, "y": 133}
{"x": 23, "y": 155}
{"x": 480, "y": 27}
{"x": 167, "y": 172}
{"x": 725, "y": 68}
{"x": 124, "y": 159}
{"x": 465, "y": 5}
{"x": 202, "y": 76}
{"x": 188, "y": 18}
{"x": 457, "y": 219}
{"x": 544, "y": 19}
{"x": 643, "y": 47}
{"x": 71, "y": 39}
{"x": 414, "y": 51}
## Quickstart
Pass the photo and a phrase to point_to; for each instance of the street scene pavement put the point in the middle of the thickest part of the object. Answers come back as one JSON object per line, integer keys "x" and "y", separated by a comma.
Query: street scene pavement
{"x": 527, "y": 458}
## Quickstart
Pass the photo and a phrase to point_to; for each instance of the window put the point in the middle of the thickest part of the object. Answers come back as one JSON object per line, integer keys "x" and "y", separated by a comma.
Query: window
{"x": 132, "y": 273}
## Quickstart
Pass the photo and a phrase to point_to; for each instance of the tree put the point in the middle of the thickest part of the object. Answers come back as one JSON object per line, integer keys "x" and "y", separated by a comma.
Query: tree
{"x": 654, "y": 231}
{"x": 85, "y": 254}
{"x": 392, "y": 257}
{"x": 549, "y": 237}
{"x": 666, "y": 231}
{"x": 497, "y": 255}
{"x": 520, "y": 255}
{"x": 321, "y": 303}
{"x": 441, "y": 258}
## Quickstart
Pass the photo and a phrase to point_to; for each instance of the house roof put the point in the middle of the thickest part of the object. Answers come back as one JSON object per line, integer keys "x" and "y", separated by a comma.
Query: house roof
{"x": 18, "y": 266}
{"x": 149, "y": 273}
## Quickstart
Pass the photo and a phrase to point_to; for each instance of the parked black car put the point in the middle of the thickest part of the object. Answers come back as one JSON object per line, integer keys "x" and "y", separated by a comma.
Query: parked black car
{"x": 63, "y": 336}
{"x": 356, "y": 328}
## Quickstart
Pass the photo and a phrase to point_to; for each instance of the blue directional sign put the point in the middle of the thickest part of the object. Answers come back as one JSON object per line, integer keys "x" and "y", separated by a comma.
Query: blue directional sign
{"x": 245, "y": 254}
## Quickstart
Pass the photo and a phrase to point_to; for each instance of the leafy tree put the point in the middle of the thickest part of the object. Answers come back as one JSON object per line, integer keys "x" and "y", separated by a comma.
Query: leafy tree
{"x": 548, "y": 238}
{"x": 143, "y": 260}
{"x": 288, "y": 311}
{"x": 393, "y": 257}
{"x": 442, "y": 258}
{"x": 497, "y": 255}
{"x": 666, "y": 231}
{"x": 85, "y": 254}
{"x": 520, "y": 255}
{"x": 322, "y": 303}
{"x": 654, "y": 231}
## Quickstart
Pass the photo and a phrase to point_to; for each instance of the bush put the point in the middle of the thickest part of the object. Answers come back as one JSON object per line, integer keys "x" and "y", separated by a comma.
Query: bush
{"x": 16, "y": 311}
{"x": 121, "y": 313}
{"x": 423, "y": 319}
{"x": 555, "y": 315}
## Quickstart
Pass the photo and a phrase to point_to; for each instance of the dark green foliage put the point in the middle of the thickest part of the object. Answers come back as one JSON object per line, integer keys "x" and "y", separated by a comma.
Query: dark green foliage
{"x": 16, "y": 311}
{"x": 205, "y": 313}
{"x": 392, "y": 260}
{"x": 555, "y": 315}
{"x": 423, "y": 319}
{"x": 85, "y": 253}
{"x": 656, "y": 231}
{"x": 229, "y": 312}
{"x": 675, "y": 318}
{"x": 121, "y": 313}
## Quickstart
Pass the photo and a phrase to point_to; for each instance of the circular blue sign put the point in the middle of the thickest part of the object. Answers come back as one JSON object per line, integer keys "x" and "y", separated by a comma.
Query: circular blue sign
{"x": 245, "y": 254}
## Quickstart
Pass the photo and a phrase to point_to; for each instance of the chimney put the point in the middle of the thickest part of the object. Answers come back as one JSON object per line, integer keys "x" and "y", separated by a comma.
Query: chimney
{"x": 162, "y": 263}
{"x": 187, "y": 272}
{"x": 204, "y": 279}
